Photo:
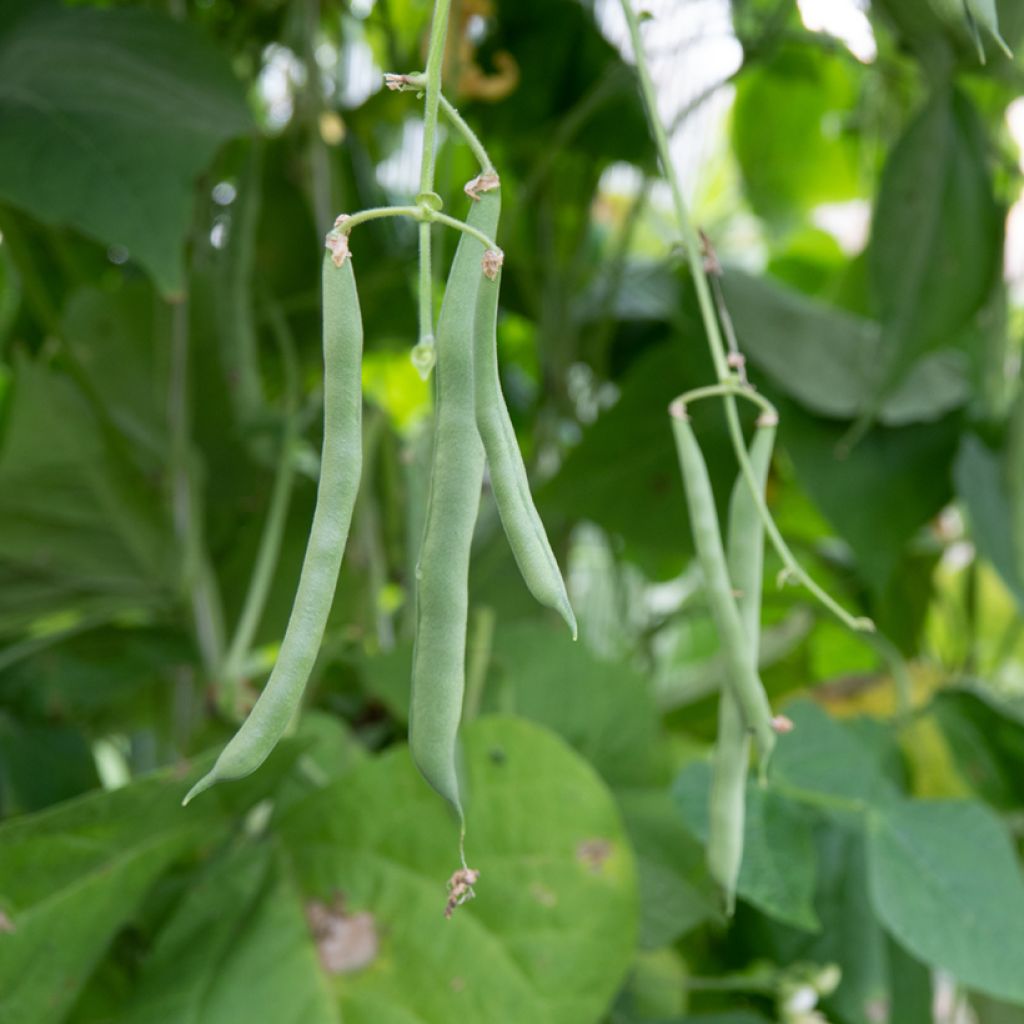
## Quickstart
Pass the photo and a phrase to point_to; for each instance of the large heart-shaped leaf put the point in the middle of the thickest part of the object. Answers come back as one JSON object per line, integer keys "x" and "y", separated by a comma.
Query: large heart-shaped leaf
{"x": 551, "y": 933}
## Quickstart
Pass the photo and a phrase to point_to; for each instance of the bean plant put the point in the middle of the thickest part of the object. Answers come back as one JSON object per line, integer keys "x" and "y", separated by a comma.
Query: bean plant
{"x": 431, "y": 454}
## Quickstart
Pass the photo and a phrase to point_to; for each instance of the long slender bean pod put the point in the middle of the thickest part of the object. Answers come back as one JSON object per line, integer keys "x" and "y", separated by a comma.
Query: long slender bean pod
{"x": 745, "y": 557}
{"x": 509, "y": 482}
{"x": 456, "y": 480}
{"x": 741, "y": 671}
{"x": 340, "y": 467}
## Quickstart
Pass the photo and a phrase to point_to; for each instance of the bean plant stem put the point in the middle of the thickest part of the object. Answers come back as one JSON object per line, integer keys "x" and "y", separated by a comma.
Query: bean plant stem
{"x": 424, "y": 215}
{"x": 472, "y": 140}
{"x": 273, "y": 529}
{"x": 714, "y": 334}
{"x": 731, "y": 388}
{"x": 468, "y": 229}
{"x": 432, "y": 88}
{"x": 186, "y": 507}
{"x": 418, "y": 83}
{"x": 435, "y": 64}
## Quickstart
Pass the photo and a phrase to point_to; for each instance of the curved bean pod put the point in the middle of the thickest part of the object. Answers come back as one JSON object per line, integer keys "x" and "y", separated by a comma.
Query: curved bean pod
{"x": 340, "y": 467}
{"x": 509, "y": 482}
{"x": 741, "y": 672}
{"x": 456, "y": 480}
{"x": 745, "y": 556}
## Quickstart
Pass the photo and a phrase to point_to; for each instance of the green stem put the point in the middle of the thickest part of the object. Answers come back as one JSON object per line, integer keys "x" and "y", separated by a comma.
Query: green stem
{"x": 467, "y": 133}
{"x": 458, "y": 225}
{"x": 424, "y": 214}
{"x": 418, "y": 83}
{"x": 714, "y": 334}
{"x": 186, "y": 506}
{"x": 273, "y": 528}
{"x": 319, "y": 158}
{"x": 377, "y": 212}
{"x": 432, "y": 88}
{"x": 732, "y": 388}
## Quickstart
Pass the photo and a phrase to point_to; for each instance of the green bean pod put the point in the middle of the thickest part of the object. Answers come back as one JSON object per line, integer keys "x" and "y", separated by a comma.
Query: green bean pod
{"x": 741, "y": 672}
{"x": 340, "y": 467}
{"x": 745, "y": 557}
{"x": 509, "y": 482}
{"x": 456, "y": 481}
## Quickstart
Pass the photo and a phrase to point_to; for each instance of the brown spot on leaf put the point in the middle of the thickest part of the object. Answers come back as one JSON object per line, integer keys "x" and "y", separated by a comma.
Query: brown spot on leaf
{"x": 345, "y": 942}
{"x": 6, "y": 924}
{"x": 593, "y": 853}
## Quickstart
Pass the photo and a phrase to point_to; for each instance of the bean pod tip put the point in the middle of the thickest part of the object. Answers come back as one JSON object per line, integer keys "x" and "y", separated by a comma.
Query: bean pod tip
{"x": 205, "y": 783}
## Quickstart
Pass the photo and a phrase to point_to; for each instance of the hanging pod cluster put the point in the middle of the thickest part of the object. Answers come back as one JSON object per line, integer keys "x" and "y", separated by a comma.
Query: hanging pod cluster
{"x": 472, "y": 431}
{"x": 733, "y": 575}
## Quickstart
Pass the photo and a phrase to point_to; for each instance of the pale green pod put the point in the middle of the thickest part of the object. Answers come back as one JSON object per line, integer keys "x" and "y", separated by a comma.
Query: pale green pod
{"x": 340, "y": 467}
{"x": 745, "y": 557}
{"x": 509, "y": 482}
{"x": 456, "y": 481}
{"x": 741, "y": 671}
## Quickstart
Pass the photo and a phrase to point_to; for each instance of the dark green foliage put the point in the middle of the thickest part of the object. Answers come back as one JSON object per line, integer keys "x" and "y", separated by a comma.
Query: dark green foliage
{"x": 159, "y": 253}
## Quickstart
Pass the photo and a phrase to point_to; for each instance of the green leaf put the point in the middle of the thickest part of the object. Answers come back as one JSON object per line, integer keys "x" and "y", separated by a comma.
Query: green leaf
{"x": 624, "y": 475}
{"x": 850, "y": 935}
{"x": 79, "y": 522}
{"x": 552, "y": 930}
{"x": 985, "y": 14}
{"x": 237, "y": 948}
{"x": 910, "y": 987}
{"x": 945, "y": 881}
{"x": 824, "y": 757}
{"x": 790, "y": 132}
{"x": 827, "y": 359}
{"x": 70, "y": 768}
{"x": 779, "y": 860}
{"x": 603, "y": 709}
{"x": 936, "y": 235}
{"x": 542, "y": 112}
{"x": 71, "y": 877}
{"x": 108, "y": 679}
{"x": 882, "y": 492}
{"x": 108, "y": 117}
{"x": 982, "y": 487}
{"x": 115, "y": 342}
{"x": 741, "y": 1017}
{"x": 992, "y": 1011}
{"x": 676, "y": 891}
{"x": 986, "y": 735}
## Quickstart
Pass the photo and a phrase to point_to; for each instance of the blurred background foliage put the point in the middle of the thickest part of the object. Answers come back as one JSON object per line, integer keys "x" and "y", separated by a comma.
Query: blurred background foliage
{"x": 167, "y": 171}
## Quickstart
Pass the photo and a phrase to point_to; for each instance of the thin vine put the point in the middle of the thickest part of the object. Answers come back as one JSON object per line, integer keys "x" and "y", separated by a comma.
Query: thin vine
{"x": 726, "y": 373}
